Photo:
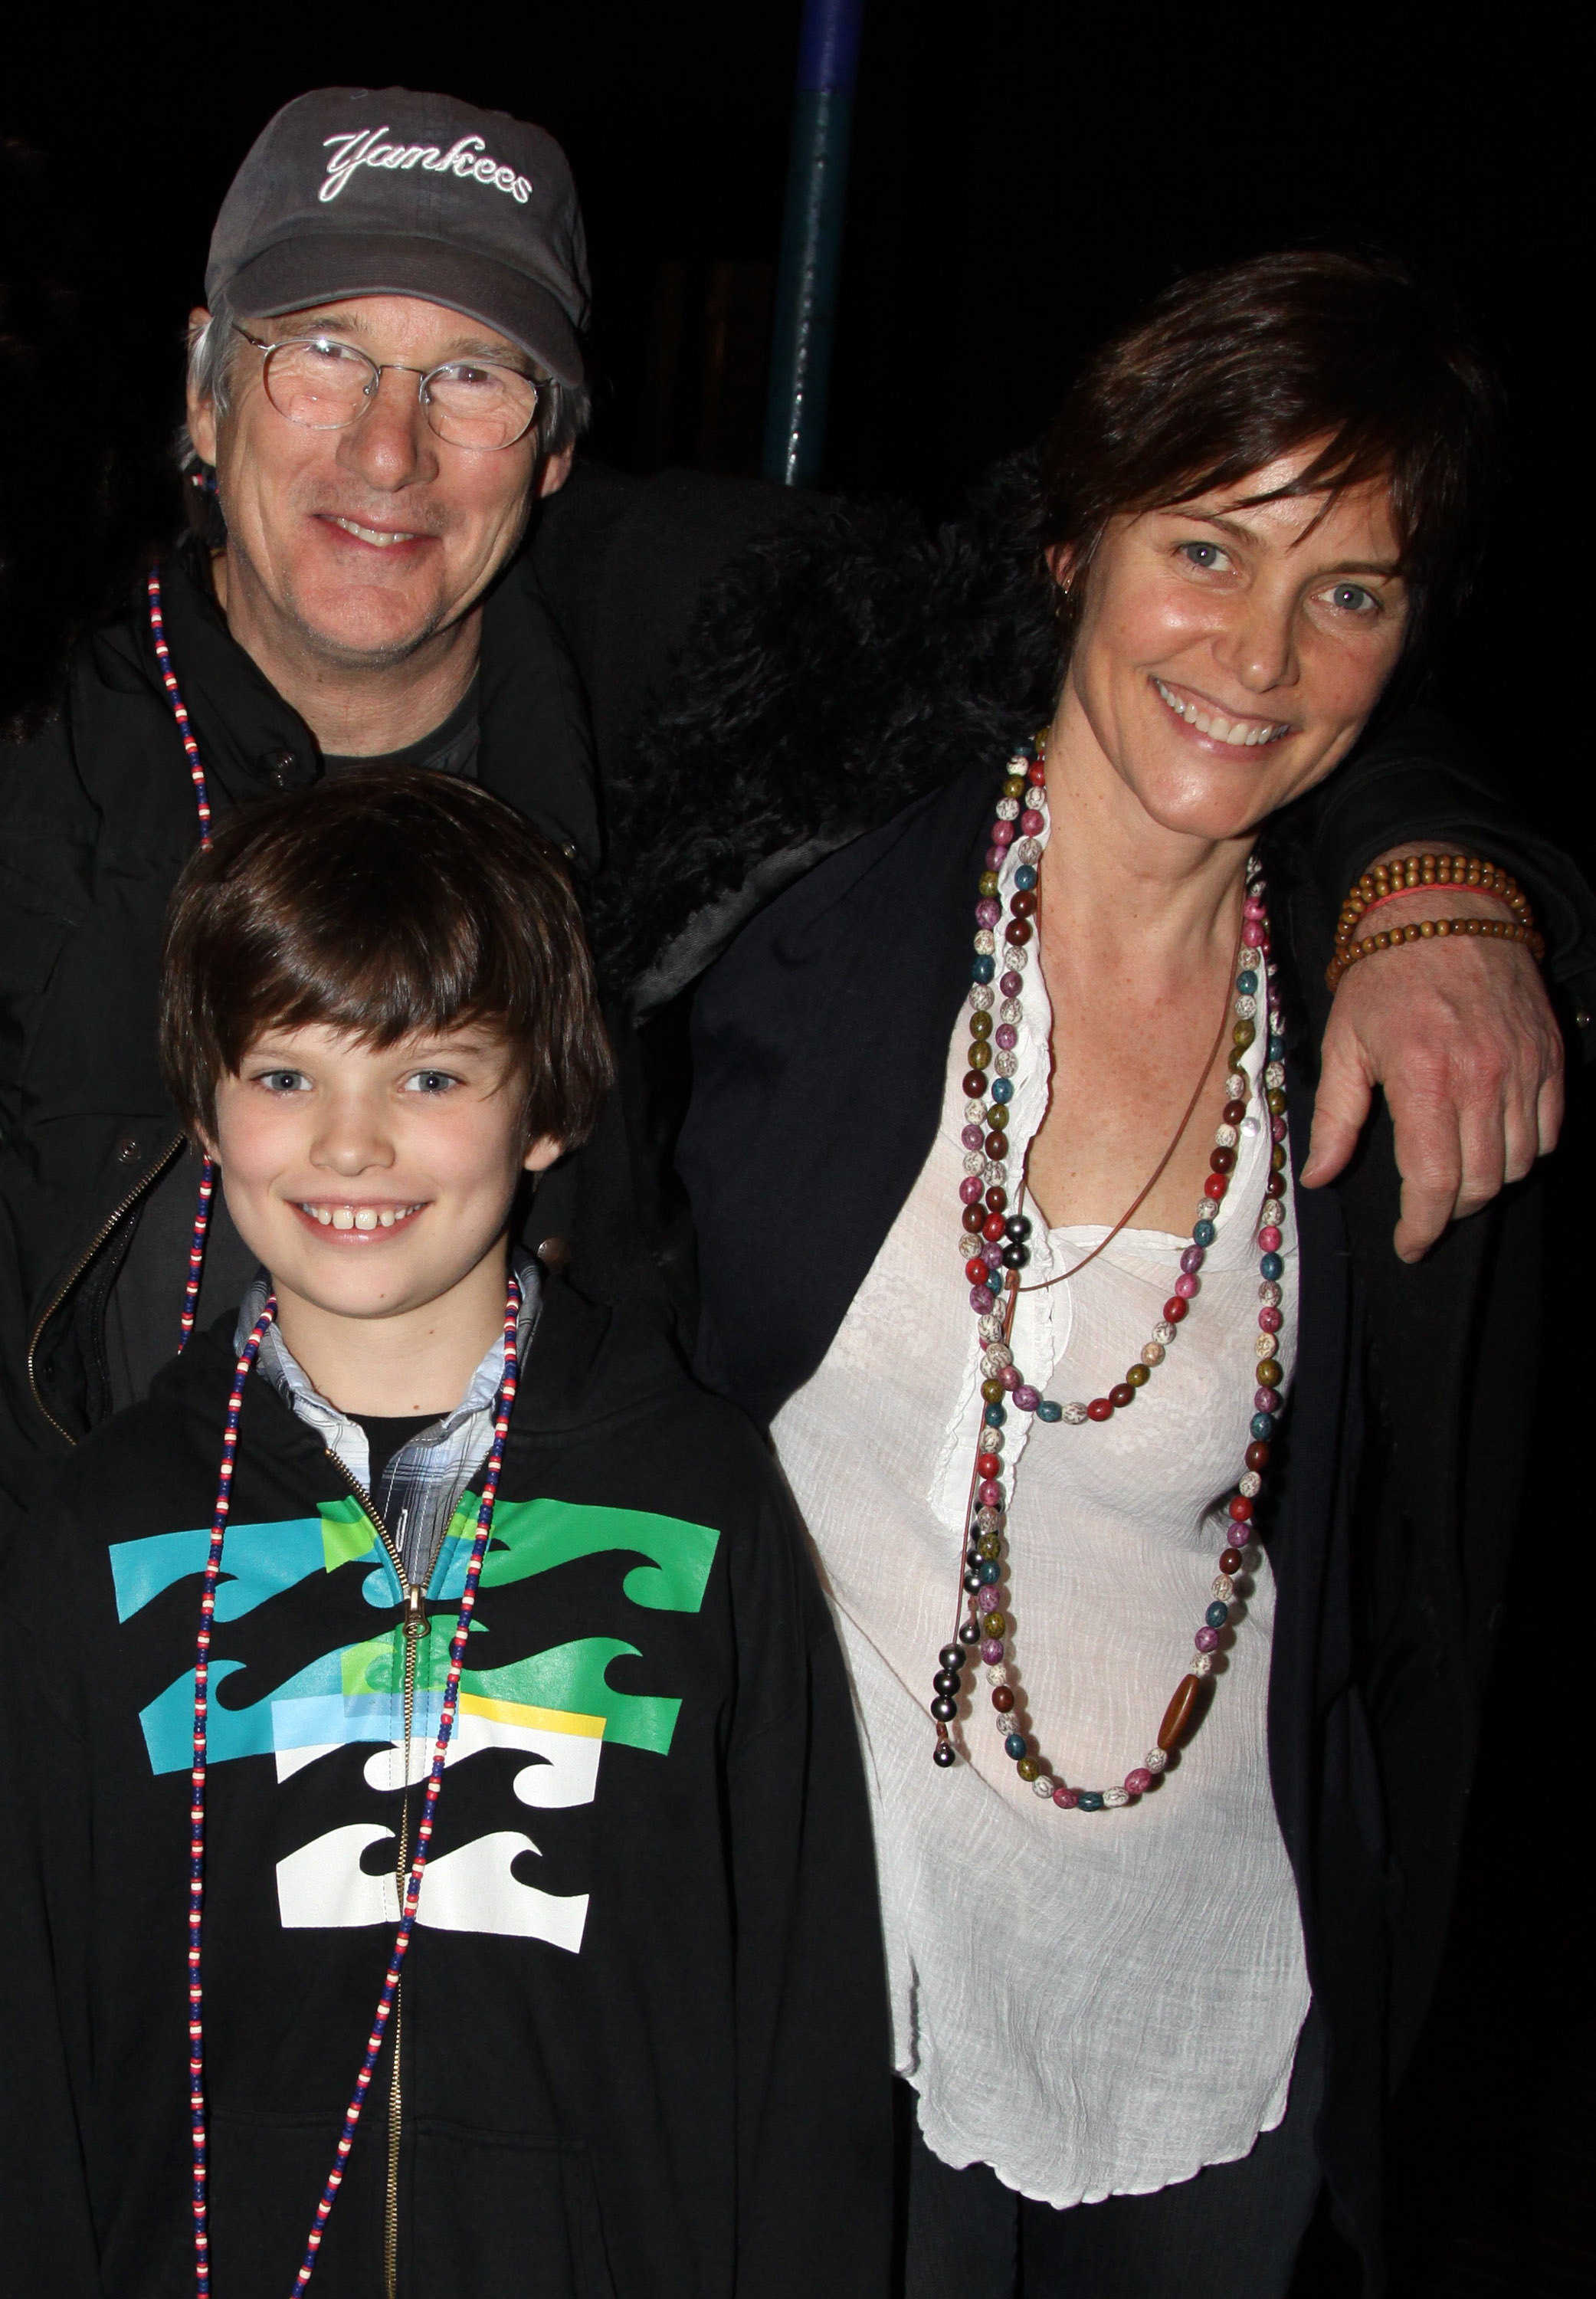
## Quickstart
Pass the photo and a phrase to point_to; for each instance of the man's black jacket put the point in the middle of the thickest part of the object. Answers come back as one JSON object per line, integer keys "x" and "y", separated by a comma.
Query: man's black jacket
{"x": 644, "y": 2045}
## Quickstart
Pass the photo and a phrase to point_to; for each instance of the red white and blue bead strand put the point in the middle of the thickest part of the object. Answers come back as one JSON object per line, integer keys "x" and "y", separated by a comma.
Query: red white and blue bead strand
{"x": 503, "y": 1406}
{"x": 196, "y": 1815}
{"x": 169, "y": 680}
{"x": 457, "y": 1655}
{"x": 196, "y": 1252}
{"x": 996, "y": 1241}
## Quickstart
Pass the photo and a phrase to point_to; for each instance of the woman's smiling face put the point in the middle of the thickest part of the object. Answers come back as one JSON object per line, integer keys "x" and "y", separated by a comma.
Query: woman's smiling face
{"x": 1229, "y": 652}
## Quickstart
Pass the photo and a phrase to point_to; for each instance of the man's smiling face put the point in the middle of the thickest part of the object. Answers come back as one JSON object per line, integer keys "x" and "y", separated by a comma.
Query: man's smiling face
{"x": 358, "y": 546}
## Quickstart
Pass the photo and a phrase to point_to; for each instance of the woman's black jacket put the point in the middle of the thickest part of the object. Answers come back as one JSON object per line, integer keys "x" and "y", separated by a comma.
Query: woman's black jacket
{"x": 820, "y": 1045}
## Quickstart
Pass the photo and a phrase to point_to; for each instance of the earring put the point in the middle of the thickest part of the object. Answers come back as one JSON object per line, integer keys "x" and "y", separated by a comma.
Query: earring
{"x": 203, "y": 507}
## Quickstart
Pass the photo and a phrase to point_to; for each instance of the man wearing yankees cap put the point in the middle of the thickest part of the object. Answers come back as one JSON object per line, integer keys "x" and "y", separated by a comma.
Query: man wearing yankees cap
{"x": 387, "y": 378}
{"x": 384, "y": 382}
{"x": 397, "y": 559}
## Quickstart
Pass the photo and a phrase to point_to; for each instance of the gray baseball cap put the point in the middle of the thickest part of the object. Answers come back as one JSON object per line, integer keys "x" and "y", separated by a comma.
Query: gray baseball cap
{"x": 353, "y": 191}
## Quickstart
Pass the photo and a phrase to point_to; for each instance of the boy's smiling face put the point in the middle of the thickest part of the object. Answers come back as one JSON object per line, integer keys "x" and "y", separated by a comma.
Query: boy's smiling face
{"x": 375, "y": 1183}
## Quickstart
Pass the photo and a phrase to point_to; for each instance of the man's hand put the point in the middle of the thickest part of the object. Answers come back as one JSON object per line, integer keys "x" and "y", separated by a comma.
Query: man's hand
{"x": 1461, "y": 1035}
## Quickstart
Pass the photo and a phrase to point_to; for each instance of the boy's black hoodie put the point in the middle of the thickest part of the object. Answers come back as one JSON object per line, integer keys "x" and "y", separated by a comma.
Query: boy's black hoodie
{"x": 644, "y": 2043}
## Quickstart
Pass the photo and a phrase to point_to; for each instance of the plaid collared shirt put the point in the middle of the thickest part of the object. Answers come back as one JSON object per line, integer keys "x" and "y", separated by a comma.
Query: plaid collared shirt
{"x": 422, "y": 1484}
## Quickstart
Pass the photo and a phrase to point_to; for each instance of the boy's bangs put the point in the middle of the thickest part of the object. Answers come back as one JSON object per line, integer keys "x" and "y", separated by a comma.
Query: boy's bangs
{"x": 387, "y": 906}
{"x": 382, "y": 994}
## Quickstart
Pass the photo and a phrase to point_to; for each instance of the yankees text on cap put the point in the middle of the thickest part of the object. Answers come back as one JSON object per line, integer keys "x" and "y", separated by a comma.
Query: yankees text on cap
{"x": 353, "y": 191}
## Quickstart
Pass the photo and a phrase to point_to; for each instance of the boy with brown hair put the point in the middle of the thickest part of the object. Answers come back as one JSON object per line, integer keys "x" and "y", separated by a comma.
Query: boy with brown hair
{"x": 432, "y": 1645}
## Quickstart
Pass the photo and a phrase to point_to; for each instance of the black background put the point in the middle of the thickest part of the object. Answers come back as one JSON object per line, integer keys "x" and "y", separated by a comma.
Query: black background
{"x": 1023, "y": 176}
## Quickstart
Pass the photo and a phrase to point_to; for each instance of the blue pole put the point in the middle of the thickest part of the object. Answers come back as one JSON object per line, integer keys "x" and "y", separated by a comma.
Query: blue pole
{"x": 800, "y": 358}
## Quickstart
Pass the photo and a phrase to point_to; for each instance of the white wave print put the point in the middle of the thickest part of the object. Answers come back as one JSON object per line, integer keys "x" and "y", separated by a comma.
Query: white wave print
{"x": 323, "y": 1886}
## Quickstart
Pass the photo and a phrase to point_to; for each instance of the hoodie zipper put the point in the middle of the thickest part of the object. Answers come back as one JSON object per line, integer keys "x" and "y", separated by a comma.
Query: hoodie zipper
{"x": 145, "y": 1182}
{"x": 415, "y": 1625}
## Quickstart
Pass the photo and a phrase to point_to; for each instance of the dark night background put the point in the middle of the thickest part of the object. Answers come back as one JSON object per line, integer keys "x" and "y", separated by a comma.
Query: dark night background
{"x": 1023, "y": 176}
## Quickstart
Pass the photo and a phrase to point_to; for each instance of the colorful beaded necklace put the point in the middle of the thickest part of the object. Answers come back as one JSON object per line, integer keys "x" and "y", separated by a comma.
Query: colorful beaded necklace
{"x": 502, "y": 1405}
{"x": 993, "y": 1245}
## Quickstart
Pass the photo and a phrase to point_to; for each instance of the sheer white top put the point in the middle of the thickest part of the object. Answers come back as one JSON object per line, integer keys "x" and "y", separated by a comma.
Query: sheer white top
{"x": 1096, "y": 2004}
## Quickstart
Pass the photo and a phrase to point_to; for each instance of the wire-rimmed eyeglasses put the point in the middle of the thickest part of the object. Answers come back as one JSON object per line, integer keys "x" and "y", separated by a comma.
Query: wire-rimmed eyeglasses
{"x": 326, "y": 386}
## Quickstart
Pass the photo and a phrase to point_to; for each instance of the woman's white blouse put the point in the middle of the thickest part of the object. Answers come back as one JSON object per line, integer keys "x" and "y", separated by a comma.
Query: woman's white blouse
{"x": 1096, "y": 2004}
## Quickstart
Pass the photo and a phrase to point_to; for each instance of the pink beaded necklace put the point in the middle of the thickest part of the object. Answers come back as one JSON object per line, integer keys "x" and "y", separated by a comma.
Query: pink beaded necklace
{"x": 993, "y": 1243}
{"x": 202, "y": 797}
{"x": 502, "y": 1405}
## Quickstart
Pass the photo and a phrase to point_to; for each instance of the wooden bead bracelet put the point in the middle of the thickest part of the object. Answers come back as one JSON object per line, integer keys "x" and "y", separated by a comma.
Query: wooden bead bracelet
{"x": 1416, "y": 873}
{"x": 1433, "y": 929}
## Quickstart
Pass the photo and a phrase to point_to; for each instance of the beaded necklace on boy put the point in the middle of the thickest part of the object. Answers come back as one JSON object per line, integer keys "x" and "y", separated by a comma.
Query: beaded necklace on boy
{"x": 993, "y": 1239}
{"x": 457, "y": 1653}
{"x": 503, "y": 1405}
{"x": 169, "y": 680}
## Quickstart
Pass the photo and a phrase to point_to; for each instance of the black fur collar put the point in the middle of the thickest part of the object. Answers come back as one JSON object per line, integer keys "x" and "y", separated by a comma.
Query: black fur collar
{"x": 835, "y": 673}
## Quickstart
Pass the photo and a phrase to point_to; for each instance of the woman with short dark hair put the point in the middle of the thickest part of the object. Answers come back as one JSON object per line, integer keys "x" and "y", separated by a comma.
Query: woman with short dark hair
{"x": 1007, "y": 1244}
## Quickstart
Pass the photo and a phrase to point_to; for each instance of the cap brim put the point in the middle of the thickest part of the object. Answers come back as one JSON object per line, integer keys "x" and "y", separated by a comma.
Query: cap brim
{"x": 300, "y": 272}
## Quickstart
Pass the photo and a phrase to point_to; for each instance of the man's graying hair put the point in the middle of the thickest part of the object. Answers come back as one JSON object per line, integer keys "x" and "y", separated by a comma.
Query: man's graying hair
{"x": 564, "y": 409}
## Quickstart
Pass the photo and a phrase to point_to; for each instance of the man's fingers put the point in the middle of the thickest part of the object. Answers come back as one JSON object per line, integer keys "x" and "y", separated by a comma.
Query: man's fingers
{"x": 1548, "y": 1110}
{"x": 1426, "y": 1209}
{"x": 1521, "y": 1121}
{"x": 1454, "y": 1157}
{"x": 1484, "y": 1139}
{"x": 1465, "y": 1043}
{"x": 1339, "y": 1108}
{"x": 1429, "y": 1157}
{"x": 1503, "y": 1126}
